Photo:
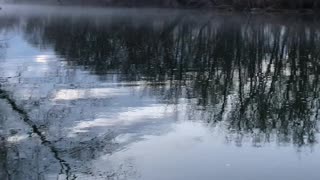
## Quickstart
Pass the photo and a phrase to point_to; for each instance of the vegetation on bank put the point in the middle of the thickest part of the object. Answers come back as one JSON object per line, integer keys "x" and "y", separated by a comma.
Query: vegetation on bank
{"x": 219, "y": 4}
{"x": 277, "y": 4}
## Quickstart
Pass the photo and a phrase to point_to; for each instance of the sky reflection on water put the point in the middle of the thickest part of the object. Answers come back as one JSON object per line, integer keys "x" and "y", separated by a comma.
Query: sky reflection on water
{"x": 127, "y": 94}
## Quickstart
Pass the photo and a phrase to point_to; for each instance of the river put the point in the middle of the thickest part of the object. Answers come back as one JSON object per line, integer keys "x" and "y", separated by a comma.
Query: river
{"x": 158, "y": 94}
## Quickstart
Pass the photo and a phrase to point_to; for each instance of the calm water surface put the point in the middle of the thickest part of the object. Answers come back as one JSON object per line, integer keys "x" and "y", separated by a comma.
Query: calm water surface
{"x": 149, "y": 94}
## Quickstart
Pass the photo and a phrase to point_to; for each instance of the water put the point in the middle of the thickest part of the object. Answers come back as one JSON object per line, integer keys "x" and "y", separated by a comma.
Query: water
{"x": 154, "y": 94}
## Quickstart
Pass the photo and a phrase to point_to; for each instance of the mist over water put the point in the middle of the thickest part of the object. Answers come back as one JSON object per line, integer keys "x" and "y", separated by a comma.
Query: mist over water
{"x": 157, "y": 94}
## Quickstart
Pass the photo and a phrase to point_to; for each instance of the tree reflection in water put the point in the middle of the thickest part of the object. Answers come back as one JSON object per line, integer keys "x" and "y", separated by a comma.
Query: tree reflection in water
{"x": 259, "y": 75}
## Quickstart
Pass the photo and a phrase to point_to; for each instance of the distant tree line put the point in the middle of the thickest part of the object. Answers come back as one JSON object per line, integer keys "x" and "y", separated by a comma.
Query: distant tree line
{"x": 221, "y": 4}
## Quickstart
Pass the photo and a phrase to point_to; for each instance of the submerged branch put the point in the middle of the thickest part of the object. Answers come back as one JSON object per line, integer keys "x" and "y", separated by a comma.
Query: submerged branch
{"x": 65, "y": 167}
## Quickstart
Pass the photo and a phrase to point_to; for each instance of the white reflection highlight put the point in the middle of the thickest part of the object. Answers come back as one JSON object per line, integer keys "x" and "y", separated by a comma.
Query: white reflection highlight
{"x": 74, "y": 94}
{"x": 42, "y": 58}
{"x": 133, "y": 115}
{"x": 17, "y": 138}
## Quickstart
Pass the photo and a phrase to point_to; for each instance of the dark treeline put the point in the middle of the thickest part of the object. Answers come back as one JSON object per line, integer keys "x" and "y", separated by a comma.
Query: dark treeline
{"x": 221, "y": 4}
{"x": 260, "y": 76}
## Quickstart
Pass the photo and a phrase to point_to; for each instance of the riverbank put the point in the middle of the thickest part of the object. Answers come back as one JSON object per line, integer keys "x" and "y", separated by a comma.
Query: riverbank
{"x": 217, "y": 8}
{"x": 265, "y": 10}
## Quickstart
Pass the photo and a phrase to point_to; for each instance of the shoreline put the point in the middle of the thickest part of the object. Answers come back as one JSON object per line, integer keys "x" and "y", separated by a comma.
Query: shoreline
{"x": 218, "y": 9}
